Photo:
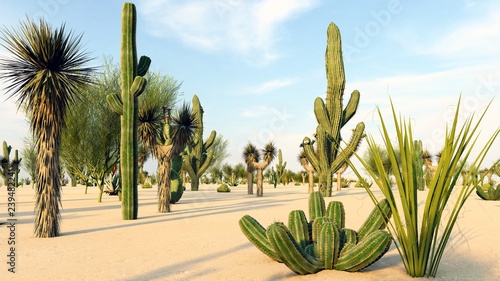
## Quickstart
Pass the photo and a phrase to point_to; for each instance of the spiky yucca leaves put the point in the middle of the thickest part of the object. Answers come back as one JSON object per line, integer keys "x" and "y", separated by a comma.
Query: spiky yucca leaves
{"x": 268, "y": 155}
{"x": 309, "y": 169}
{"x": 199, "y": 154}
{"x": 178, "y": 132}
{"x": 488, "y": 192}
{"x": 421, "y": 248}
{"x": 322, "y": 242}
{"x": 46, "y": 71}
{"x": 250, "y": 155}
{"x": 327, "y": 157}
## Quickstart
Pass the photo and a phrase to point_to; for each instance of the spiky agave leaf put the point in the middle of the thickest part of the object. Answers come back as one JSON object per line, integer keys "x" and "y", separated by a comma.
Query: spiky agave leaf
{"x": 183, "y": 125}
{"x": 150, "y": 124}
{"x": 269, "y": 152}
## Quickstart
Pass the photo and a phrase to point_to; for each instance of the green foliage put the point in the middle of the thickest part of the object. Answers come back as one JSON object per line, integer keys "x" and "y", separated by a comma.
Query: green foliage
{"x": 281, "y": 176}
{"x": 488, "y": 192}
{"x": 223, "y": 188}
{"x": 147, "y": 185}
{"x": 328, "y": 156}
{"x": 323, "y": 242}
{"x": 421, "y": 249}
{"x": 133, "y": 84}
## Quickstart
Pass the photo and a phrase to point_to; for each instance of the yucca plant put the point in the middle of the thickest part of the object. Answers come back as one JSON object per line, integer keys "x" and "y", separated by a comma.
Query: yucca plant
{"x": 46, "y": 71}
{"x": 421, "y": 248}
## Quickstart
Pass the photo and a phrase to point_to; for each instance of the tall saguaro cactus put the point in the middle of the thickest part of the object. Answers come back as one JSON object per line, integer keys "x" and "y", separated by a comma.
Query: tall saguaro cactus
{"x": 126, "y": 104}
{"x": 199, "y": 154}
{"x": 329, "y": 157}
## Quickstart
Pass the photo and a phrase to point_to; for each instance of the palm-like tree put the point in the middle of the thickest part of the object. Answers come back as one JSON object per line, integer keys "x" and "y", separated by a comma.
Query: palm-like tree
{"x": 308, "y": 167}
{"x": 250, "y": 155}
{"x": 268, "y": 154}
{"x": 45, "y": 72}
{"x": 166, "y": 136}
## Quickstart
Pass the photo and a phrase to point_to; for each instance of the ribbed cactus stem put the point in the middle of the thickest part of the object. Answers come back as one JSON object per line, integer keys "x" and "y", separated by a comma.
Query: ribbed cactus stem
{"x": 199, "y": 154}
{"x": 132, "y": 85}
{"x": 376, "y": 220}
{"x": 366, "y": 252}
{"x": 290, "y": 252}
{"x": 329, "y": 244}
{"x": 256, "y": 234}
{"x": 336, "y": 213}
{"x": 316, "y": 205}
{"x": 297, "y": 223}
{"x": 327, "y": 158}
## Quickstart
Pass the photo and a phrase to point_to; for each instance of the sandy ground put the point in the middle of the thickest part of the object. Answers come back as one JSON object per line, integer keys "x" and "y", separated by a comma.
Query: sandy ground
{"x": 201, "y": 240}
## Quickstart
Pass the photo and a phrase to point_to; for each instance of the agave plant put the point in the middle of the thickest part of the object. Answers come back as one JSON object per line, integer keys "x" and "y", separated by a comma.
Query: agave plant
{"x": 46, "y": 71}
{"x": 421, "y": 248}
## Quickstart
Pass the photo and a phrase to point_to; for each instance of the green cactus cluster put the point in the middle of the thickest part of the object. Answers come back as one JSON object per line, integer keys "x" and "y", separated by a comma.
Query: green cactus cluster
{"x": 488, "y": 192}
{"x": 322, "y": 242}
{"x": 328, "y": 156}
{"x": 199, "y": 154}
{"x": 126, "y": 105}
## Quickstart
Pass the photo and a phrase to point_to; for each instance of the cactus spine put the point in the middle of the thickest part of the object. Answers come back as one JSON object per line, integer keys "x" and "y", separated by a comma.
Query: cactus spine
{"x": 328, "y": 157}
{"x": 322, "y": 243}
{"x": 199, "y": 154}
{"x": 133, "y": 84}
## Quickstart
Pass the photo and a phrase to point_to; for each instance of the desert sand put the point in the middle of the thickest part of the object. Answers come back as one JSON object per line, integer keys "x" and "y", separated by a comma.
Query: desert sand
{"x": 201, "y": 240}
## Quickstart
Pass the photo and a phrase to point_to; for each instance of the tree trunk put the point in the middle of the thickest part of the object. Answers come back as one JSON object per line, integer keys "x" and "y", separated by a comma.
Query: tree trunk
{"x": 260, "y": 183}
{"x": 48, "y": 189}
{"x": 195, "y": 182}
{"x": 163, "y": 178}
{"x": 250, "y": 182}
{"x": 339, "y": 176}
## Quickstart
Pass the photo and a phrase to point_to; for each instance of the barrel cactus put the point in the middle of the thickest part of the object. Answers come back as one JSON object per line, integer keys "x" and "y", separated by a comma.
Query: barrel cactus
{"x": 322, "y": 242}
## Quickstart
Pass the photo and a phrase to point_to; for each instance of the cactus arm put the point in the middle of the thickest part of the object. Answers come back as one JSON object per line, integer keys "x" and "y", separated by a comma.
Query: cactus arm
{"x": 366, "y": 252}
{"x": 143, "y": 66}
{"x": 376, "y": 220}
{"x": 336, "y": 213}
{"x": 115, "y": 103}
{"x": 256, "y": 234}
{"x": 289, "y": 251}
{"x": 206, "y": 162}
{"x": 351, "y": 107}
{"x": 311, "y": 156}
{"x": 210, "y": 140}
{"x": 138, "y": 86}
{"x": 316, "y": 206}
{"x": 349, "y": 236}
{"x": 351, "y": 147}
{"x": 329, "y": 244}
{"x": 297, "y": 223}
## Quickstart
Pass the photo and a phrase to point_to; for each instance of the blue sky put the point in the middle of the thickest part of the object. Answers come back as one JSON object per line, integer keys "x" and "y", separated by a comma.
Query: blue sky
{"x": 257, "y": 66}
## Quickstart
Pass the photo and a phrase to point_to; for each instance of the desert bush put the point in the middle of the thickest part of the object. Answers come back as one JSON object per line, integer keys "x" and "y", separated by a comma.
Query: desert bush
{"x": 147, "y": 185}
{"x": 223, "y": 188}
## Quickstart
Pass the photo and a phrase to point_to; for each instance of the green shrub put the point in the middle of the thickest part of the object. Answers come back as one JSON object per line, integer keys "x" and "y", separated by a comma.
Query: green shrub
{"x": 223, "y": 188}
{"x": 147, "y": 185}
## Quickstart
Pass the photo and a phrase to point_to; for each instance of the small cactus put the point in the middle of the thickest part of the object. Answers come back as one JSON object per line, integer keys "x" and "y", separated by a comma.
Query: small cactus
{"x": 488, "y": 192}
{"x": 322, "y": 242}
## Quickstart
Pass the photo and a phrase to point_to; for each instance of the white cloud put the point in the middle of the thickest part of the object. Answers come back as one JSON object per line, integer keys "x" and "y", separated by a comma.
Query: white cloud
{"x": 270, "y": 86}
{"x": 471, "y": 39}
{"x": 238, "y": 26}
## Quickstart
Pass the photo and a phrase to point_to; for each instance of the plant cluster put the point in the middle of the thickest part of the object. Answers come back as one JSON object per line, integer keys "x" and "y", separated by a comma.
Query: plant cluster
{"x": 323, "y": 241}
